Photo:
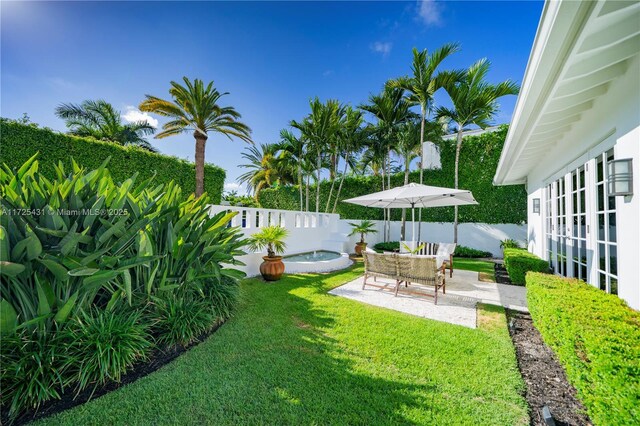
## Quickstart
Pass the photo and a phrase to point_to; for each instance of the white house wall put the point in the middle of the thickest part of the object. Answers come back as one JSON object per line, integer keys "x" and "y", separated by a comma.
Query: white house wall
{"x": 614, "y": 121}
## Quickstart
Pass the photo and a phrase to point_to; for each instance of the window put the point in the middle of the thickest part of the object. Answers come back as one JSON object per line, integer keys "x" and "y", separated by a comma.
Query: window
{"x": 607, "y": 249}
{"x": 578, "y": 223}
{"x": 572, "y": 202}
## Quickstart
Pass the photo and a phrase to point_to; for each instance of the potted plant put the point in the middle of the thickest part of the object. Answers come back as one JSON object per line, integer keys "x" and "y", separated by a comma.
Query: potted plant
{"x": 362, "y": 228}
{"x": 271, "y": 238}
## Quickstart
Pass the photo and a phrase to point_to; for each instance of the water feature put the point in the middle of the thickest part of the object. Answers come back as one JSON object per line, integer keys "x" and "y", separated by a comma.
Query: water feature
{"x": 313, "y": 256}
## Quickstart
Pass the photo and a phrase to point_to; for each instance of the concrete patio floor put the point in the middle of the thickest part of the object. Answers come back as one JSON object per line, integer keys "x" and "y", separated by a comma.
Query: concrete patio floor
{"x": 457, "y": 306}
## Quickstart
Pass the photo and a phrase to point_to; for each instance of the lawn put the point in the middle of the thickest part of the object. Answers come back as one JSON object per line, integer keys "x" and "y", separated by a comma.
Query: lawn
{"x": 477, "y": 265}
{"x": 294, "y": 354}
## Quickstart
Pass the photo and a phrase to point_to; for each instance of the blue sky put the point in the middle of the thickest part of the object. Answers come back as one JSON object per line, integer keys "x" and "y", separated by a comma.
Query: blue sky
{"x": 271, "y": 56}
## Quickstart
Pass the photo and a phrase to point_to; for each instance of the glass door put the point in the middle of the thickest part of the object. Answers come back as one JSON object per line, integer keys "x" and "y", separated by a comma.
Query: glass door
{"x": 577, "y": 237}
{"x": 549, "y": 221}
{"x": 607, "y": 247}
{"x": 561, "y": 227}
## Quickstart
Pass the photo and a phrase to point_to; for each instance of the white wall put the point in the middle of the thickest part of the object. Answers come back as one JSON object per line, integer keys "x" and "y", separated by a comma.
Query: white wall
{"x": 613, "y": 122}
{"x": 481, "y": 236}
{"x": 309, "y": 232}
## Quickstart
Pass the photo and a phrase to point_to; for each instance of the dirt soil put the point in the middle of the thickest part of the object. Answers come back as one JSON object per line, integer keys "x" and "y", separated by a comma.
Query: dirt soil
{"x": 502, "y": 277}
{"x": 156, "y": 360}
{"x": 543, "y": 375}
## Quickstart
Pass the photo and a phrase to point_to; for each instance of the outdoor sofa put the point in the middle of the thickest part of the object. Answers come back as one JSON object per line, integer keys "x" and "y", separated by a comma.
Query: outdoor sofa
{"x": 442, "y": 251}
{"x": 404, "y": 268}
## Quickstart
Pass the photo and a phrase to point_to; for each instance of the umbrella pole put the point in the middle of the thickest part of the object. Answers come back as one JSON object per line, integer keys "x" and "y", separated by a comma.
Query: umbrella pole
{"x": 413, "y": 223}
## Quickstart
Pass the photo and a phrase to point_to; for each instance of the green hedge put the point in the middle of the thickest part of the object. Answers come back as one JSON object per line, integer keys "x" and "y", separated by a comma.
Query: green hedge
{"x": 463, "y": 251}
{"x": 20, "y": 142}
{"x": 596, "y": 338}
{"x": 519, "y": 261}
{"x": 479, "y": 160}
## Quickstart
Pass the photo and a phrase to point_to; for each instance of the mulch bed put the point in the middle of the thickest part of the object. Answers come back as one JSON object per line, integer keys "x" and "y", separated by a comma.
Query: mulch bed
{"x": 502, "y": 277}
{"x": 543, "y": 375}
{"x": 157, "y": 359}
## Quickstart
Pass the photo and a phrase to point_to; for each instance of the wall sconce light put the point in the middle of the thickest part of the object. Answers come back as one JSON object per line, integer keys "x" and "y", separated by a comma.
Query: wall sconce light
{"x": 620, "y": 177}
{"x": 536, "y": 205}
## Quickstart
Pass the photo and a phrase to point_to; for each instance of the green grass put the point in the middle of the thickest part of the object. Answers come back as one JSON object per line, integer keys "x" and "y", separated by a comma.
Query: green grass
{"x": 474, "y": 265}
{"x": 297, "y": 355}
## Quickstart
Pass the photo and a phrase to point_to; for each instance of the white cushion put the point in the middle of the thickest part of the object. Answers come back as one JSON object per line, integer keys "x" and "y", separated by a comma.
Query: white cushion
{"x": 446, "y": 249}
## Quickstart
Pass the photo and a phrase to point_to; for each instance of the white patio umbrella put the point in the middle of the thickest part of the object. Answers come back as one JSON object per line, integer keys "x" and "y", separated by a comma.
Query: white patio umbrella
{"x": 415, "y": 195}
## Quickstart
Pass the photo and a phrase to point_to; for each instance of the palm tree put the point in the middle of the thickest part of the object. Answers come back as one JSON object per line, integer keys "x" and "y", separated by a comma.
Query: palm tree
{"x": 196, "y": 108}
{"x": 474, "y": 103}
{"x": 391, "y": 109}
{"x": 267, "y": 168}
{"x": 293, "y": 149}
{"x": 100, "y": 120}
{"x": 319, "y": 129}
{"x": 408, "y": 148}
{"x": 424, "y": 82}
{"x": 352, "y": 138}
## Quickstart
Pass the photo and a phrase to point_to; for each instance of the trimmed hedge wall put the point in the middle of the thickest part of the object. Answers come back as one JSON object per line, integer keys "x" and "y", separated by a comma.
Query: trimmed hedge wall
{"x": 20, "y": 142}
{"x": 519, "y": 261}
{"x": 479, "y": 159}
{"x": 596, "y": 338}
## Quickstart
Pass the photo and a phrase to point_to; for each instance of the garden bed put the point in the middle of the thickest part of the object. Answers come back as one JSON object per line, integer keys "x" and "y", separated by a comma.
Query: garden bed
{"x": 502, "y": 276}
{"x": 544, "y": 377}
{"x": 157, "y": 359}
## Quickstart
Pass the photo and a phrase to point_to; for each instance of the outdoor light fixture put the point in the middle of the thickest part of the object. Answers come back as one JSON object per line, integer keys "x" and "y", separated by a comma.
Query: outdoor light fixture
{"x": 536, "y": 205}
{"x": 620, "y": 177}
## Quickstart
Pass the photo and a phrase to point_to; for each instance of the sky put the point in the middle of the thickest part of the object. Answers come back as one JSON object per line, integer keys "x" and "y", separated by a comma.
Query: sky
{"x": 272, "y": 57}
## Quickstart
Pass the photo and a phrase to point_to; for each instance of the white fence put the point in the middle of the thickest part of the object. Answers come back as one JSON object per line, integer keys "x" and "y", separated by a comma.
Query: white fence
{"x": 307, "y": 231}
{"x": 310, "y": 231}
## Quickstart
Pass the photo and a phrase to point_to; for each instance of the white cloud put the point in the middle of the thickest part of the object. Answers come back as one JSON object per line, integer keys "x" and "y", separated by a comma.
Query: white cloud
{"x": 134, "y": 115}
{"x": 232, "y": 186}
{"x": 429, "y": 12}
{"x": 380, "y": 47}
{"x": 328, "y": 73}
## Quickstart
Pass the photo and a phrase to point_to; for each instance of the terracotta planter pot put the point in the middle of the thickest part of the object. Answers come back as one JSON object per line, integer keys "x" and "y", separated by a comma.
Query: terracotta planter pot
{"x": 272, "y": 268}
{"x": 360, "y": 247}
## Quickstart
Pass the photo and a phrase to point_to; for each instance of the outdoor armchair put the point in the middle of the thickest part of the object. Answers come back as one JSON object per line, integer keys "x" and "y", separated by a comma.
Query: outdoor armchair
{"x": 421, "y": 270}
{"x": 446, "y": 251}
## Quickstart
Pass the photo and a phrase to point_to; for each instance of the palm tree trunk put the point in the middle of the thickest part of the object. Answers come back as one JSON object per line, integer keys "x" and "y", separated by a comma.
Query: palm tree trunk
{"x": 404, "y": 211}
{"x": 201, "y": 141}
{"x": 455, "y": 218}
{"x": 333, "y": 182}
{"x": 423, "y": 112}
{"x": 307, "y": 194}
{"x": 346, "y": 164}
{"x": 300, "y": 183}
{"x": 318, "y": 165}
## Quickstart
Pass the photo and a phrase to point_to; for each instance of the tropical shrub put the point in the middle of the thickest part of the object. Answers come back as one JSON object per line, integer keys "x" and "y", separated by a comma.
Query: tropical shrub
{"x": 34, "y": 368}
{"x": 519, "y": 261}
{"x": 234, "y": 199}
{"x": 387, "y": 246}
{"x": 363, "y": 228}
{"x": 509, "y": 243}
{"x": 83, "y": 258}
{"x": 20, "y": 142}
{"x": 596, "y": 337}
{"x": 270, "y": 238}
{"x": 181, "y": 320}
{"x": 102, "y": 345}
{"x": 463, "y": 251}
{"x": 222, "y": 296}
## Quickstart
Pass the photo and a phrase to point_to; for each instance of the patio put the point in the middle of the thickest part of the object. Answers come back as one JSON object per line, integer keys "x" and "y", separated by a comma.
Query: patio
{"x": 458, "y": 306}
